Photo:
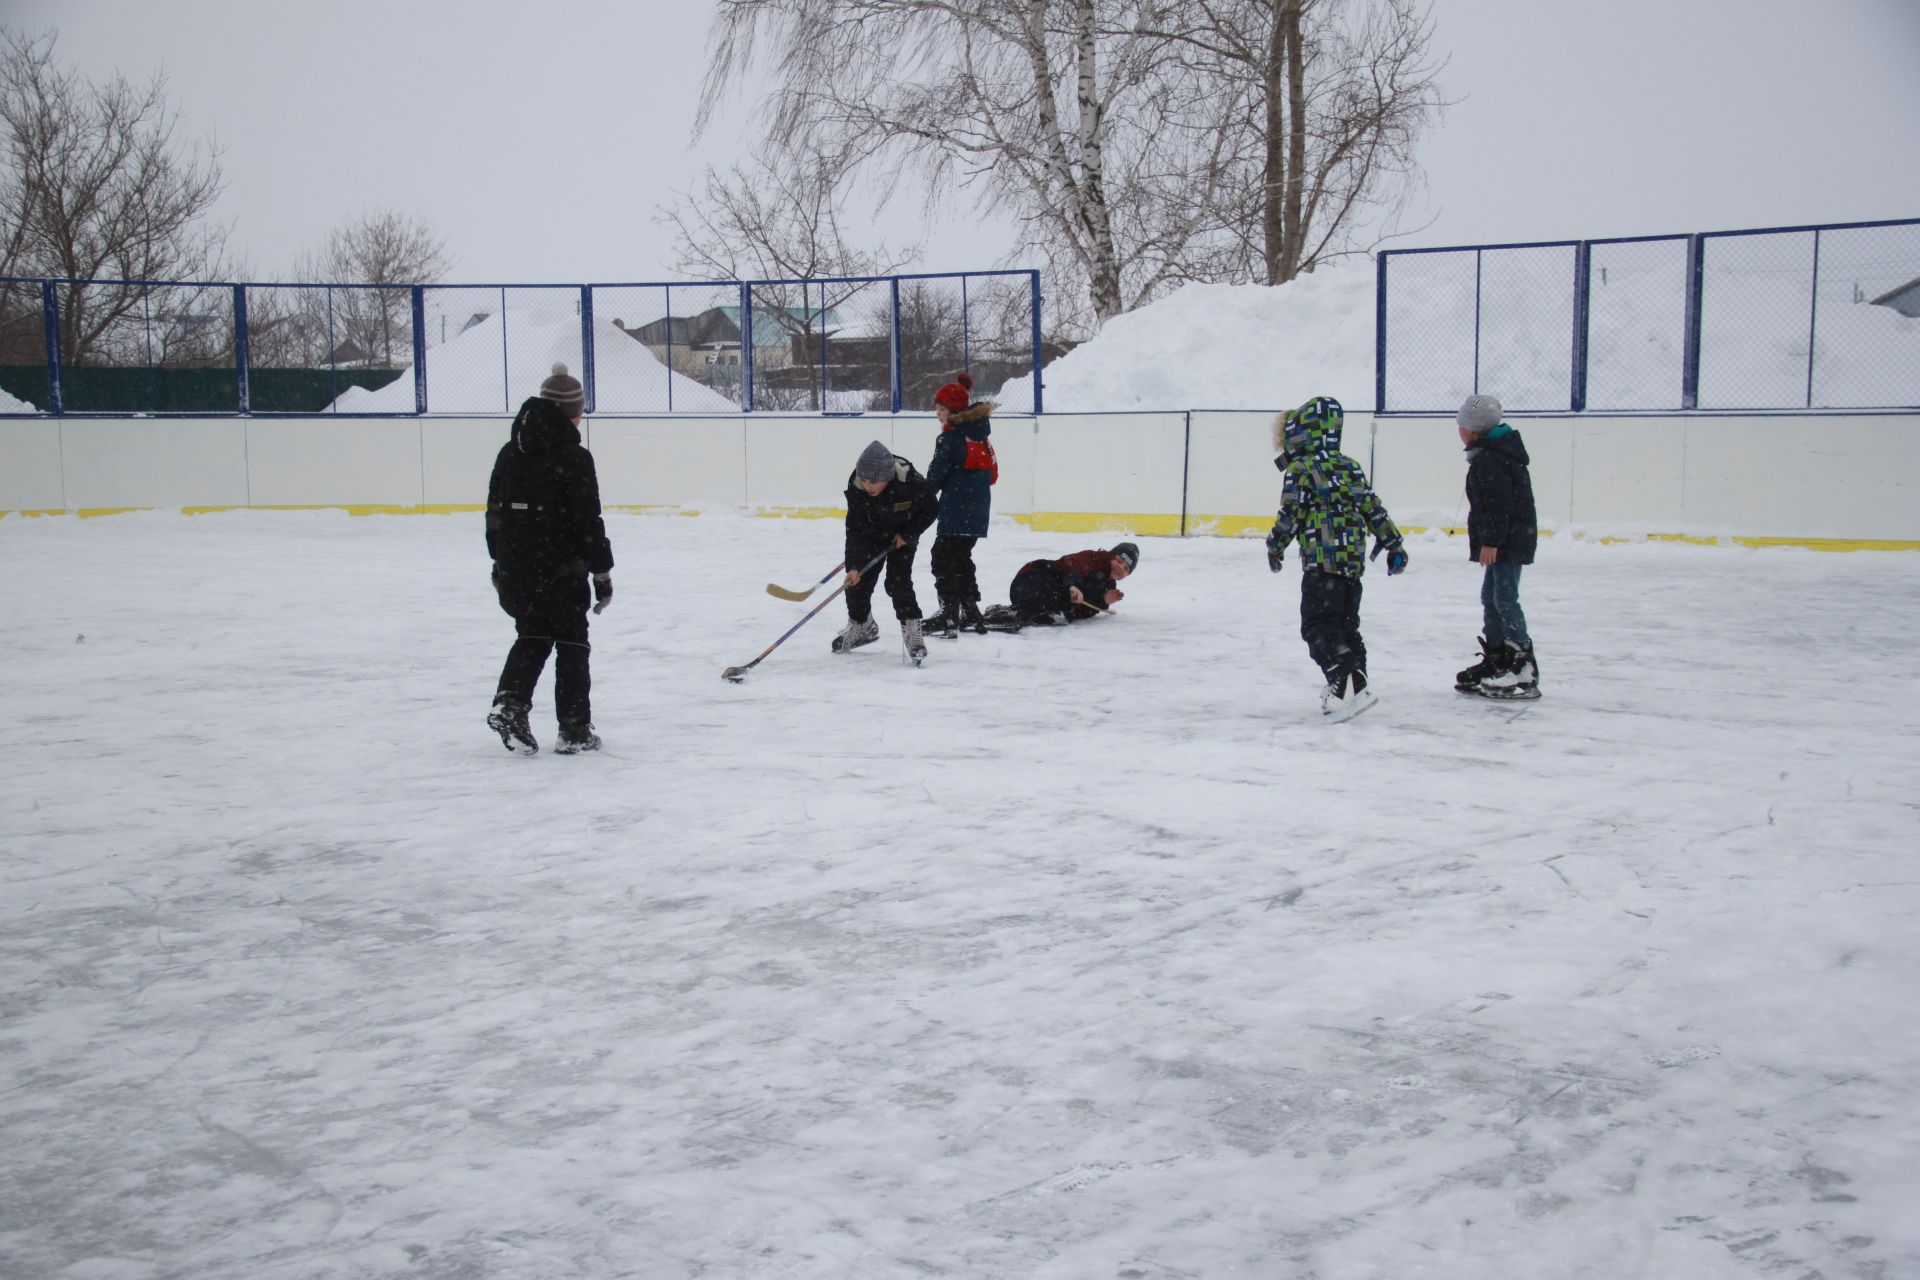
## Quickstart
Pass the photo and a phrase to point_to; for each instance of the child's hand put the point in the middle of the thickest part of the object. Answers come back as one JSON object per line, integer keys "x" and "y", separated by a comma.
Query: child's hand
{"x": 1489, "y": 556}
{"x": 1073, "y": 594}
{"x": 853, "y": 579}
{"x": 1276, "y": 555}
{"x": 1115, "y": 596}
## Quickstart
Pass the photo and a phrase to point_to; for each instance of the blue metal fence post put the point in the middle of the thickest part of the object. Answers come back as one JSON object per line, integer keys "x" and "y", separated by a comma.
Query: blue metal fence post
{"x": 1813, "y": 314}
{"x": 1477, "y": 256}
{"x": 668, "y": 290}
{"x": 746, "y": 346}
{"x": 586, "y": 343}
{"x": 1582, "y": 321}
{"x": 506, "y": 370}
{"x": 1690, "y": 340}
{"x": 894, "y": 344}
{"x": 56, "y": 373}
{"x": 419, "y": 348}
{"x": 242, "y": 351}
{"x": 1038, "y": 363}
{"x": 1380, "y": 331}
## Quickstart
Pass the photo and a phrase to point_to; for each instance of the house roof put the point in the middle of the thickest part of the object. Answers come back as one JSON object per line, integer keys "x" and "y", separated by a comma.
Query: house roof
{"x": 1905, "y": 299}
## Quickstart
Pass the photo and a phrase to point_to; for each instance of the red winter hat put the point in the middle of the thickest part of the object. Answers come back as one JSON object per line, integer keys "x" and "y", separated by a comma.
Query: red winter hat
{"x": 955, "y": 394}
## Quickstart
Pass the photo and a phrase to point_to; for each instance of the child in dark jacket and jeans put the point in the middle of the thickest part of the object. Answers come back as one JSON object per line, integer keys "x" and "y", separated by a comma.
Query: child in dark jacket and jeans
{"x": 546, "y": 535}
{"x": 1502, "y": 534}
{"x": 962, "y": 472}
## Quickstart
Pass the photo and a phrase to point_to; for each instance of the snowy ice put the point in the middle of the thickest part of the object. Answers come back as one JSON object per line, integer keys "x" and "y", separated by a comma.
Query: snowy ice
{"x": 1080, "y": 953}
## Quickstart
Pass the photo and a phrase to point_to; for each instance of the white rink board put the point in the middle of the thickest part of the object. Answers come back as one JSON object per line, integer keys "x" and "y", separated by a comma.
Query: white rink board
{"x": 1838, "y": 478}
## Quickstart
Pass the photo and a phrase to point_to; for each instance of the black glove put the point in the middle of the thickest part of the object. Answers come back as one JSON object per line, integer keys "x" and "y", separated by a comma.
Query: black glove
{"x": 1276, "y": 554}
{"x": 602, "y": 591}
{"x": 1396, "y": 557}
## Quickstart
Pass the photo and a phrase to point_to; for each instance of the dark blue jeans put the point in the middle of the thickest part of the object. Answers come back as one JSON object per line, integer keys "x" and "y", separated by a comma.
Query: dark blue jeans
{"x": 1500, "y": 605}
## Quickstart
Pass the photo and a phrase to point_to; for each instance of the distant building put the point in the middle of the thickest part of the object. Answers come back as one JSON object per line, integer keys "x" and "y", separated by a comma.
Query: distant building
{"x": 1905, "y": 299}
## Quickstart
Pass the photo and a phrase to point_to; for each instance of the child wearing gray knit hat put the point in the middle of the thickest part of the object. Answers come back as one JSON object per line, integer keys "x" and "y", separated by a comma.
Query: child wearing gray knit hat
{"x": 1502, "y": 533}
{"x": 888, "y": 507}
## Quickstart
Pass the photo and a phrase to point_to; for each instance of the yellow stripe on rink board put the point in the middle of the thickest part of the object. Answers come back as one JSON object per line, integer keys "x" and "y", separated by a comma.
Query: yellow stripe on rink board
{"x": 1101, "y": 522}
{"x": 1115, "y": 522}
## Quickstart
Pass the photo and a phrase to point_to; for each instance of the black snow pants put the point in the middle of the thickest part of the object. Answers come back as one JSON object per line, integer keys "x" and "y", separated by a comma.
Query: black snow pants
{"x": 899, "y": 583}
{"x": 1330, "y": 623}
{"x": 547, "y": 616}
{"x": 953, "y": 576}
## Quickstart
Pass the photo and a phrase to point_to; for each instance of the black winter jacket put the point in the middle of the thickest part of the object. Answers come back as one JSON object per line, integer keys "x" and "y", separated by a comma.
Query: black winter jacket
{"x": 1500, "y": 498}
{"x": 543, "y": 503}
{"x": 905, "y": 508}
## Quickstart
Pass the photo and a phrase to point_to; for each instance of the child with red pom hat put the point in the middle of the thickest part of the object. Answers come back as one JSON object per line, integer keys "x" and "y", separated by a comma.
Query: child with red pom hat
{"x": 962, "y": 472}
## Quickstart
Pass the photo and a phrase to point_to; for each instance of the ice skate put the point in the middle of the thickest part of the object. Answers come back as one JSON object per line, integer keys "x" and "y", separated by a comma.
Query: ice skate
{"x": 1346, "y": 697}
{"x": 1517, "y": 680}
{"x": 971, "y": 619}
{"x": 910, "y": 636}
{"x": 509, "y": 719}
{"x": 575, "y": 738}
{"x": 944, "y": 625}
{"x": 1468, "y": 681}
{"x": 1000, "y": 617}
{"x": 856, "y": 634}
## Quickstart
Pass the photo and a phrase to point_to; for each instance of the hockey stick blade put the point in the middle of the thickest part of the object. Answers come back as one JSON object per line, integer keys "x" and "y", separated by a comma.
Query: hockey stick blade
{"x": 788, "y": 593}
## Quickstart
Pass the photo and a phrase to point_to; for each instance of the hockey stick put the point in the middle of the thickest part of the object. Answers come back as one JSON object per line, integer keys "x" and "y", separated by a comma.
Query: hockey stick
{"x": 738, "y": 674}
{"x": 787, "y": 593}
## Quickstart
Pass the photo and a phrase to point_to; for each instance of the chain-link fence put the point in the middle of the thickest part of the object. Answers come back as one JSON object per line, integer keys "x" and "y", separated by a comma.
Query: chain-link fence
{"x": 797, "y": 346}
{"x": 1823, "y": 317}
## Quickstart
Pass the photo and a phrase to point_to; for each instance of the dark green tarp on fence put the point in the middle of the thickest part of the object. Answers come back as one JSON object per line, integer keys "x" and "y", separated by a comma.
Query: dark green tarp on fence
{"x": 190, "y": 390}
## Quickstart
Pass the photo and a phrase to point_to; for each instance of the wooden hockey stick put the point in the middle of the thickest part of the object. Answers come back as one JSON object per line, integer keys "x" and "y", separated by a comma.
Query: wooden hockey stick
{"x": 787, "y": 593}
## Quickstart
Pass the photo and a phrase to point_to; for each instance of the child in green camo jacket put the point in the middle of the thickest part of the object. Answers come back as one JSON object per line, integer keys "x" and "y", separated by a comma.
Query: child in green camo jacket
{"x": 1328, "y": 507}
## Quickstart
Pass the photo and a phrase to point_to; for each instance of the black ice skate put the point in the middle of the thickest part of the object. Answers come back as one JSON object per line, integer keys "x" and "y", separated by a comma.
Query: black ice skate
{"x": 1517, "y": 680}
{"x": 944, "y": 625}
{"x": 1000, "y": 617}
{"x": 1468, "y": 681}
{"x": 970, "y": 619}
{"x": 856, "y": 634}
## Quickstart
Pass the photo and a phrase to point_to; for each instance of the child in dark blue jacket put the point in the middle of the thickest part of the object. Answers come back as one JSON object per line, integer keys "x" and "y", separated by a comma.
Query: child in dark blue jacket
{"x": 1502, "y": 533}
{"x": 962, "y": 472}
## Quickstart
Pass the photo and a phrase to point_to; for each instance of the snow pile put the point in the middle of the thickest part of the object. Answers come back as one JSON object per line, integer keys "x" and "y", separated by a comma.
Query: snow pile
{"x": 1259, "y": 347}
{"x": 470, "y": 373}
{"x": 10, "y": 405}
{"x": 1221, "y": 346}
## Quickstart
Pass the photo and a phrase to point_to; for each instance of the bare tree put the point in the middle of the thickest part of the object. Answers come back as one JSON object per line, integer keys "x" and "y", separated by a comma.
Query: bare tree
{"x": 392, "y": 251}
{"x": 779, "y": 218}
{"x": 1062, "y": 117}
{"x": 97, "y": 186}
{"x": 1137, "y": 143}
{"x": 1341, "y": 90}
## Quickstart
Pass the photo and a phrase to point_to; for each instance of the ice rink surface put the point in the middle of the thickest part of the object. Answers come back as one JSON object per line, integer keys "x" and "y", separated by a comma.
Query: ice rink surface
{"x": 1085, "y": 953}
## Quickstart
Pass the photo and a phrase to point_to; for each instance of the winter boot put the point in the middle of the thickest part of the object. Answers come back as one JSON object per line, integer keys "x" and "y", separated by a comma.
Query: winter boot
{"x": 1346, "y": 696}
{"x": 575, "y": 738}
{"x": 1518, "y": 678}
{"x": 970, "y": 619}
{"x": 1468, "y": 681}
{"x": 856, "y": 634}
{"x": 944, "y": 625}
{"x": 509, "y": 719}
{"x": 911, "y": 637}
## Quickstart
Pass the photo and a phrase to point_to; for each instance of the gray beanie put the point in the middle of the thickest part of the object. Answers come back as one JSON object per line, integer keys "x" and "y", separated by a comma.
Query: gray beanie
{"x": 1479, "y": 414}
{"x": 876, "y": 463}
{"x": 565, "y": 391}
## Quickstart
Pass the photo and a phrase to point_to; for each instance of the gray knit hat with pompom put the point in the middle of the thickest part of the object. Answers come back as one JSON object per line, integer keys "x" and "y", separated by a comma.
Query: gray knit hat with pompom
{"x": 564, "y": 390}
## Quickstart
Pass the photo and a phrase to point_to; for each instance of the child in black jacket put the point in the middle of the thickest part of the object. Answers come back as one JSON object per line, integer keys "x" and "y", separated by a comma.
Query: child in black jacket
{"x": 545, "y": 534}
{"x": 1502, "y": 533}
{"x": 888, "y": 507}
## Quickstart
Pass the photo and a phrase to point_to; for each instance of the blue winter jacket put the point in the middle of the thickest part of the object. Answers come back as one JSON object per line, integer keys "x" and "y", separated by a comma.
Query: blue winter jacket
{"x": 966, "y": 497}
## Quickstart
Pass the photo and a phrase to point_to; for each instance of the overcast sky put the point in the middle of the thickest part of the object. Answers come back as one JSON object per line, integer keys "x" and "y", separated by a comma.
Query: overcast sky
{"x": 539, "y": 146}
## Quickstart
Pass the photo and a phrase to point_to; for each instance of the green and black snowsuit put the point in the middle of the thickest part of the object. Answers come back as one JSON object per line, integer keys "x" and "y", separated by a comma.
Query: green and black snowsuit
{"x": 1328, "y": 508}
